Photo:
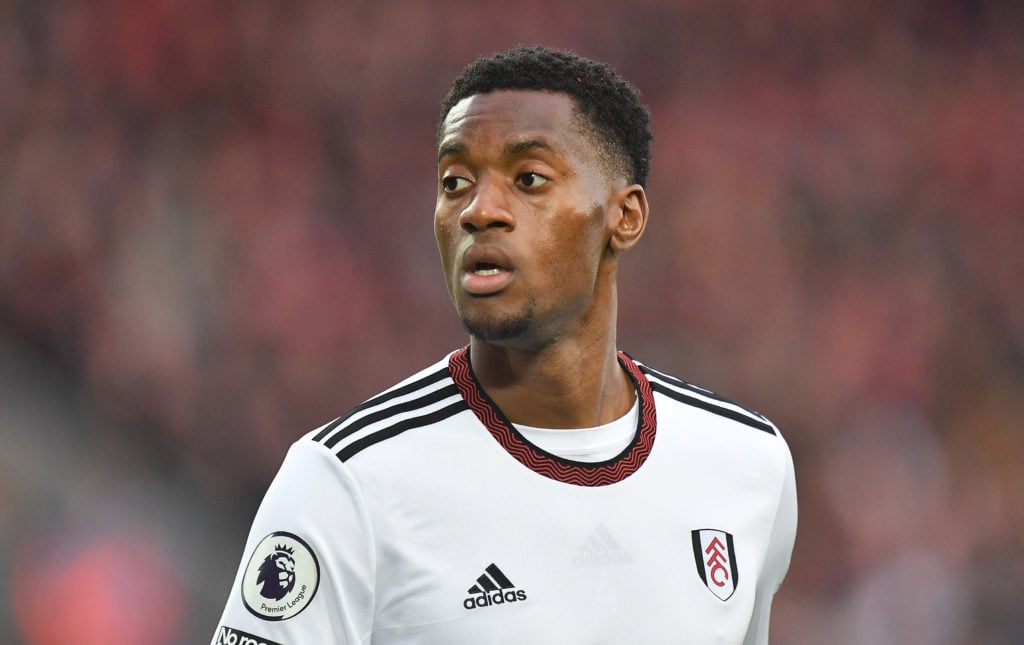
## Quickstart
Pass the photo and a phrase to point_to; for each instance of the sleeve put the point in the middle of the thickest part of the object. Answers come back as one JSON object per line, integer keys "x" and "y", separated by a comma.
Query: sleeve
{"x": 307, "y": 572}
{"x": 780, "y": 549}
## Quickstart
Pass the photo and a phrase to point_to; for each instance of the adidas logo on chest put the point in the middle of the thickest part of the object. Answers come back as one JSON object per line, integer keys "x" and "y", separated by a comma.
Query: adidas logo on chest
{"x": 492, "y": 588}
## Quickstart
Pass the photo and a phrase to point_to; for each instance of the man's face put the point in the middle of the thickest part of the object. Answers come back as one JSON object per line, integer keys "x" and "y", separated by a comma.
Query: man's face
{"x": 522, "y": 217}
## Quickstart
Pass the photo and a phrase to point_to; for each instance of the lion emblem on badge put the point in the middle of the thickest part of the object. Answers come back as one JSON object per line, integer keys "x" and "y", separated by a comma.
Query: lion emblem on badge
{"x": 281, "y": 578}
{"x": 277, "y": 573}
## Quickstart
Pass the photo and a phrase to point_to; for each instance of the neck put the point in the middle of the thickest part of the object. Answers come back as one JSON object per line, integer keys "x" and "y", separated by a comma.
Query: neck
{"x": 574, "y": 381}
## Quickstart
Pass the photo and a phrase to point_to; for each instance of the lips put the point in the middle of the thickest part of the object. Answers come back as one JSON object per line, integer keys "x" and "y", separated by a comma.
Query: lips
{"x": 486, "y": 269}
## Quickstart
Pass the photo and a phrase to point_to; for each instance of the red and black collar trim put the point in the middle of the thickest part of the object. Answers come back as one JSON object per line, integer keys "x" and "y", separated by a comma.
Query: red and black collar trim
{"x": 563, "y": 470}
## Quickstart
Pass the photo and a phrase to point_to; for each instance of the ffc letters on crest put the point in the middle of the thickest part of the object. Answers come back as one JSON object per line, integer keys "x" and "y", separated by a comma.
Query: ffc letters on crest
{"x": 715, "y": 557}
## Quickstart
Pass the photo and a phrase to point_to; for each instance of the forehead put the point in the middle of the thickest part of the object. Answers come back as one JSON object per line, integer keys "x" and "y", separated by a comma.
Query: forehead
{"x": 507, "y": 115}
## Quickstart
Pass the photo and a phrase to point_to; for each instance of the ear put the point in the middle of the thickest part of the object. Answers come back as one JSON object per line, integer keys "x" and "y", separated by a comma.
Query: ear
{"x": 628, "y": 218}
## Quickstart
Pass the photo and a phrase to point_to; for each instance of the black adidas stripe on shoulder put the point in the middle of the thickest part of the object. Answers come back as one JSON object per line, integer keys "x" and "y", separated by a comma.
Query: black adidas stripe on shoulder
{"x": 394, "y": 410}
{"x": 706, "y": 400}
{"x": 381, "y": 408}
{"x": 398, "y": 428}
{"x": 381, "y": 399}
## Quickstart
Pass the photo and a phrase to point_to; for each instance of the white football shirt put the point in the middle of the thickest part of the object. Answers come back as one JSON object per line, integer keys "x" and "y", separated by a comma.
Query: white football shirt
{"x": 424, "y": 516}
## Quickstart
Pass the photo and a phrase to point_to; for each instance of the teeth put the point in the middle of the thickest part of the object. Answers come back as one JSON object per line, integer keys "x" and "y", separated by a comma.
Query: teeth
{"x": 494, "y": 271}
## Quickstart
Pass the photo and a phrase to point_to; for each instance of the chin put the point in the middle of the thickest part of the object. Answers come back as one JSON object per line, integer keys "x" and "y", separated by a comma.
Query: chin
{"x": 501, "y": 329}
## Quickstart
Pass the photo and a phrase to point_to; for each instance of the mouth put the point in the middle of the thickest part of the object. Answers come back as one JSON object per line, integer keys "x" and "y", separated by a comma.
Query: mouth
{"x": 486, "y": 270}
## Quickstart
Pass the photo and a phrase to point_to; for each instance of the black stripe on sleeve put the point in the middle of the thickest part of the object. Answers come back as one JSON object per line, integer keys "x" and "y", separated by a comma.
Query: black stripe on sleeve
{"x": 408, "y": 424}
{"x": 383, "y": 398}
{"x": 381, "y": 415}
{"x": 711, "y": 407}
{"x": 668, "y": 378}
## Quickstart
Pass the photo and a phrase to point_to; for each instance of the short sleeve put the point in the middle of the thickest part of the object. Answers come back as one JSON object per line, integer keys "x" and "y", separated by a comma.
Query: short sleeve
{"x": 307, "y": 572}
{"x": 780, "y": 550}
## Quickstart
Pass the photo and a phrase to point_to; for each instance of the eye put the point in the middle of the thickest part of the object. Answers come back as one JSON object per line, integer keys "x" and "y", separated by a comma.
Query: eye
{"x": 454, "y": 183}
{"x": 532, "y": 180}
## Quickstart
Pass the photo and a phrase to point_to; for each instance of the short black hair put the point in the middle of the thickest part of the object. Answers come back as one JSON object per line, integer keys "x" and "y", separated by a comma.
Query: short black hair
{"x": 612, "y": 110}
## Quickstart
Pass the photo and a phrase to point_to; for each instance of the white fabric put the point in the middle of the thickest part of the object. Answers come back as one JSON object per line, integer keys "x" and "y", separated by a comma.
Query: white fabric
{"x": 586, "y": 444}
{"x": 405, "y": 528}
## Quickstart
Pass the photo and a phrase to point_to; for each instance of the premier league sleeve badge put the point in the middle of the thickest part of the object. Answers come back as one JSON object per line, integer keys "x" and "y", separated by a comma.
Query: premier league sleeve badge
{"x": 281, "y": 578}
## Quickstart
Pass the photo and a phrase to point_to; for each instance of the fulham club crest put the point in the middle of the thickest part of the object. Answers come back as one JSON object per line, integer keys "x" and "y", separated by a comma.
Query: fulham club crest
{"x": 715, "y": 558}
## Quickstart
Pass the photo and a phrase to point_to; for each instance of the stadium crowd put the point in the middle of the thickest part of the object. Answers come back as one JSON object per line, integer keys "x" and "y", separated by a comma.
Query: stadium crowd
{"x": 216, "y": 234}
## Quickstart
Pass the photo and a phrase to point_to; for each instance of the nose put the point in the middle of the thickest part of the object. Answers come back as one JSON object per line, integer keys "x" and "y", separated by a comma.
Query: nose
{"x": 488, "y": 209}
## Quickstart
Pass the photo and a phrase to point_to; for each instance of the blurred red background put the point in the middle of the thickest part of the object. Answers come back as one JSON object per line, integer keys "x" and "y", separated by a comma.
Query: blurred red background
{"x": 215, "y": 234}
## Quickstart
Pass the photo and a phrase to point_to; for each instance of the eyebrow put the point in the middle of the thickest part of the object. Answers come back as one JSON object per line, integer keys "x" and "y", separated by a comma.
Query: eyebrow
{"x": 519, "y": 147}
{"x": 512, "y": 148}
{"x": 451, "y": 149}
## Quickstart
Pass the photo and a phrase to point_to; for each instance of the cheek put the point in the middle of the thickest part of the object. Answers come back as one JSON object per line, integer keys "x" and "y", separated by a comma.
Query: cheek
{"x": 588, "y": 235}
{"x": 438, "y": 226}
{"x": 573, "y": 250}
{"x": 442, "y": 233}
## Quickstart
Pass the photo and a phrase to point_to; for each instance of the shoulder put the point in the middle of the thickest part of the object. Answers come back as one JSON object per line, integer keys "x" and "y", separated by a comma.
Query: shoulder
{"x": 701, "y": 400}
{"x": 726, "y": 436}
{"x": 428, "y": 397}
{"x": 717, "y": 430}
